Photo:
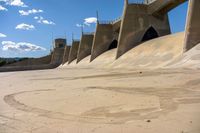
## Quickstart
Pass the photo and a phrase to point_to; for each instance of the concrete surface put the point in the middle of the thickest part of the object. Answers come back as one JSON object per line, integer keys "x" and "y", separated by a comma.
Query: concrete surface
{"x": 85, "y": 46}
{"x": 66, "y": 54}
{"x": 106, "y": 95}
{"x": 102, "y": 39}
{"x": 73, "y": 51}
{"x": 35, "y": 61}
{"x": 163, "y": 6}
{"x": 100, "y": 100}
{"x": 57, "y": 57}
{"x": 153, "y": 54}
{"x": 136, "y": 21}
{"x": 192, "y": 37}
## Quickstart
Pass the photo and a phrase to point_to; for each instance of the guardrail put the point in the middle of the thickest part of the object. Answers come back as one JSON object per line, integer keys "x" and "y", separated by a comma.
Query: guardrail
{"x": 110, "y": 21}
{"x": 140, "y": 1}
{"x": 88, "y": 33}
{"x": 76, "y": 40}
{"x": 136, "y": 1}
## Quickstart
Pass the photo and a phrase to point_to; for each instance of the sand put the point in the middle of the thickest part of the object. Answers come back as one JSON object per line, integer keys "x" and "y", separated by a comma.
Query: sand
{"x": 100, "y": 101}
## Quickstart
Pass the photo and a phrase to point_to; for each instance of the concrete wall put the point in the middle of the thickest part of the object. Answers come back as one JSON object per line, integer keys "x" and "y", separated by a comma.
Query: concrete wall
{"x": 60, "y": 43}
{"x": 73, "y": 51}
{"x": 36, "y": 64}
{"x": 28, "y": 68}
{"x": 66, "y": 54}
{"x": 58, "y": 53}
{"x": 85, "y": 46}
{"x": 135, "y": 22}
{"x": 163, "y": 6}
{"x": 193, "y": 25}
{"x": 35, "y": 61}
{"x": 57, "y": 57}
{"x": 148, "y": 1}
{"x": 102, "y": 39}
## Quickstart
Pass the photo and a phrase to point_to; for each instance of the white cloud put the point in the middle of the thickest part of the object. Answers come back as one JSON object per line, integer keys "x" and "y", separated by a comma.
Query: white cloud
{"x": 20, "y": 47}
{"x": 2, "y": 35}
{"x": 25, "y": 27}
{"x": 15, "y": 3}
{"x": 26, "y": 13}
{"x": 36, "y": 17}
{"x": 79, "y": 25}
{"x": 41, "y": 20}
{"x": 3, "y": 8}
{"x": 89, "y": 21}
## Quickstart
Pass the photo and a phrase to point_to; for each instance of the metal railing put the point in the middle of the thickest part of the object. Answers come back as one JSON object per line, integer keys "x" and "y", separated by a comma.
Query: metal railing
{"x": 88, "y": 33}
{"x": 140, "y": 1}
{"x": 76, "y": 40}
{"x": 136, "y": 1}
{"x": 110, "y": 21}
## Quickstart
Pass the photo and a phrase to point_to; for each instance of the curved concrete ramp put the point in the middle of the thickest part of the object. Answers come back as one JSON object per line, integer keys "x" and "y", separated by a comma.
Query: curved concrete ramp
{"x": 190, "y": 59}
{"x": 156, "y": 53}
{"x": 102, "y": 61}
{"x": 73, "y": 51}
{"x": 85, "y": 46}
{"x": 153, "y": 54}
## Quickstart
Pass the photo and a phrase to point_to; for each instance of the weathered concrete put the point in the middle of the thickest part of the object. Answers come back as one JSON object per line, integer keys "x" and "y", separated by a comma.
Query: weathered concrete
{"x": 85, "y": 46}
{"x": 138, "y": 25}
{"x": 60, "y": 43}
{"x": 148, "y": 1}
{"x": 58, "y": 53}
{"x": 73, "y": 51}
{"x": 34, "y": 61}
{"x": 28, "y": 68}
{"x": 161, "y": 7}
{"x": 193, "y": 25}
{"x": 104, "y": 36}
{"x": 66, "y": 54}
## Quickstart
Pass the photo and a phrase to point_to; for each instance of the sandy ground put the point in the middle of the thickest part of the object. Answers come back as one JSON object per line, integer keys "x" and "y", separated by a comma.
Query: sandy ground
{"x": 71, "y": 100}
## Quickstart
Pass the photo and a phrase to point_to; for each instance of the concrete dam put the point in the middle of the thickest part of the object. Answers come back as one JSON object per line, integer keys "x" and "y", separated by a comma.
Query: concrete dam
{"x": 131, "y": 75}
{"x": 141, "y": 38}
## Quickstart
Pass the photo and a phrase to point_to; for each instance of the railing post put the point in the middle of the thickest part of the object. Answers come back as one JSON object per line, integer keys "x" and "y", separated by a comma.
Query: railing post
{"x": 126, "y": 2}
{"x": 97, "y": 15}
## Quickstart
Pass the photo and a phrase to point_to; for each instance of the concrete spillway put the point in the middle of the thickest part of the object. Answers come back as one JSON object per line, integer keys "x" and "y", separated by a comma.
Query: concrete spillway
{"x": 137, "y": 40}
{"x": 156, "y": 53}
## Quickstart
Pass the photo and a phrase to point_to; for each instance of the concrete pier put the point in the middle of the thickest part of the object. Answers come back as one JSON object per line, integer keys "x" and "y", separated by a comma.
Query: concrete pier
{"x": 103, "y": 38}
{"x": 192, "y": 33}
{"x": 85, "y": 46}
{"x": 66, "y": 54}
{"x": 57, "y": 57}
{"x": 138, "y": 26}
{"x": 73, "y": 51}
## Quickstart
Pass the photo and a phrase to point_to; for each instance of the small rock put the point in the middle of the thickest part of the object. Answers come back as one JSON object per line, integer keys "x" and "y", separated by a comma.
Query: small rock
{"x": 148, "y": 120}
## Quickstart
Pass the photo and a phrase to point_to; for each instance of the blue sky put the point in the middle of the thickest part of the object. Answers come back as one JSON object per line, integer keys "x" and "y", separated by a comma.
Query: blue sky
{"x": 27, "y": 26}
